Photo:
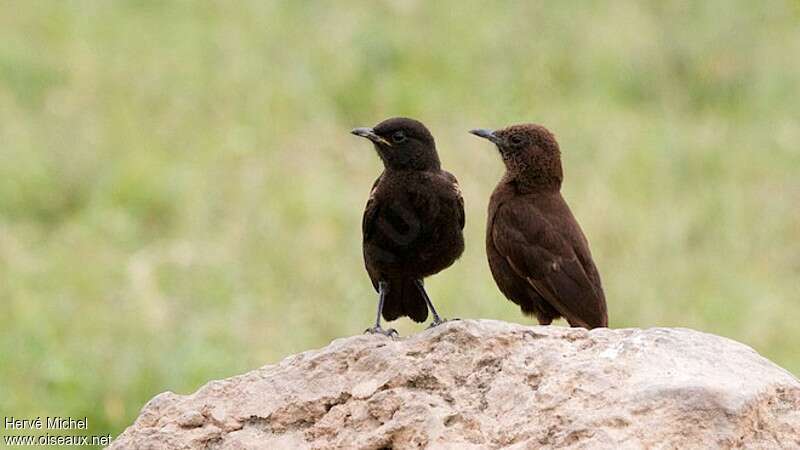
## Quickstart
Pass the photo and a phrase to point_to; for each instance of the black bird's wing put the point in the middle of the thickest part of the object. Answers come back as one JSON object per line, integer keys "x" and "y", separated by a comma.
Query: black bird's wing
{"x": 539, "y": 253}
{"x": 459, "y": 197}
{"x": 368, "y": 226}
{"x": 370, "y": 211}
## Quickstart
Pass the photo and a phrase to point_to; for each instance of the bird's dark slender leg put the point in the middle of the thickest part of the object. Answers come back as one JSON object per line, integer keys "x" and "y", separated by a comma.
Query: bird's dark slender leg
{"x": 436, "y": 319}
{"x": 377, "y": 329}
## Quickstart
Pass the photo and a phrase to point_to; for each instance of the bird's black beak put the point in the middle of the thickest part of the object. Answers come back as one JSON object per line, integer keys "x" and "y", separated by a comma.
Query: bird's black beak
{"x": 486, "y": 134}
{"x": 369, "y": 133}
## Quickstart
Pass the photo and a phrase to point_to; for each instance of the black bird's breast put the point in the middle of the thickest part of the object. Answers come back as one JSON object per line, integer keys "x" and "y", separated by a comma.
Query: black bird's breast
{"x": 412, "y": 225}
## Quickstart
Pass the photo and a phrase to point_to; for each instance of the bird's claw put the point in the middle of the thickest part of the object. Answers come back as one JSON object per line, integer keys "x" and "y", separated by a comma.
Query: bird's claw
{"x": 438, "y": 321}
{"x": 391, "y": 332}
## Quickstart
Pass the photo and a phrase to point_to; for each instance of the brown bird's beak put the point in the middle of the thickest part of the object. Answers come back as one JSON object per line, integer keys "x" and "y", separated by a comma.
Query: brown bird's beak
{"x": 486, "y": 134}
{"x": 370, "y": 134}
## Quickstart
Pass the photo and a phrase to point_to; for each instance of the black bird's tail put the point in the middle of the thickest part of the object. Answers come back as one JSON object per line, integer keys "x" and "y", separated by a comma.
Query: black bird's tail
{"x": 403, "y": 298}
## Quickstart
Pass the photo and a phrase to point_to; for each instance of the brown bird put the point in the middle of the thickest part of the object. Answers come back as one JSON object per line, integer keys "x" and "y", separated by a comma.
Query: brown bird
{"x": 537, "y": 253}
{"x": 412, "y": 223}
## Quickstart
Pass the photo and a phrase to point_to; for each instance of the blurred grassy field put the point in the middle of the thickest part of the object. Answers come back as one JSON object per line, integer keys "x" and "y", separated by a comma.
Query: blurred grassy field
{"x": 180, "y": 199}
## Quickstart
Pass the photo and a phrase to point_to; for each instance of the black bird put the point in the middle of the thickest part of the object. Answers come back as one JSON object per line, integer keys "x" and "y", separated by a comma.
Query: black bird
{"x": 413, "y": 220}
{"x": 537, "y": 252}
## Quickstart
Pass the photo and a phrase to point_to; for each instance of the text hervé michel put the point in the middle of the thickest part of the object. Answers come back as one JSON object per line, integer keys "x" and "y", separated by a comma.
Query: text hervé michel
{"x": 48, "y": 423}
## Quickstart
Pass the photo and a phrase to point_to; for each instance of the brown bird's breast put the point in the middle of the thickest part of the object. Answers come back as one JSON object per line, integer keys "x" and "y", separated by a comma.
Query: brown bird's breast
{"x": 540, "y": 258}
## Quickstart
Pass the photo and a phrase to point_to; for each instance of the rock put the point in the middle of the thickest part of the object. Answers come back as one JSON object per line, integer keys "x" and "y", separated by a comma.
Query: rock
{"x": 476, "y": 384}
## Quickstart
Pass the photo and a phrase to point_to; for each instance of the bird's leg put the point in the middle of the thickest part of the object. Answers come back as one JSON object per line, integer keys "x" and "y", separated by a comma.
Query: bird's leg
{"x": 436, "y": 319}
{"x": 377, "y": 329}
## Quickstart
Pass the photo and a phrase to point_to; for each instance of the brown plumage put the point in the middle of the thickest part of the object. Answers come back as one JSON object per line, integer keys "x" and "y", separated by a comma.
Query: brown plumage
{"x": 413, "y": 220}
{"x": 537, "y": 252}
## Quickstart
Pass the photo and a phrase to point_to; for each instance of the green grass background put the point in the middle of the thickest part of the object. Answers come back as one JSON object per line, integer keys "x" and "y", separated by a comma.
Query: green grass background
{"x": 180, "y": 199}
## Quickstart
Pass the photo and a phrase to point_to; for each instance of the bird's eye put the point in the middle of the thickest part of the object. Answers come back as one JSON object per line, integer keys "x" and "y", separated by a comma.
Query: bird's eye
{"x": 398, "y": 137}
{"x": 515, "y": 139}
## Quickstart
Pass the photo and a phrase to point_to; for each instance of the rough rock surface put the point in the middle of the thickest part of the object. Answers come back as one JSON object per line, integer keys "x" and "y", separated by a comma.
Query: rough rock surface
{"x": 488, "y": 384}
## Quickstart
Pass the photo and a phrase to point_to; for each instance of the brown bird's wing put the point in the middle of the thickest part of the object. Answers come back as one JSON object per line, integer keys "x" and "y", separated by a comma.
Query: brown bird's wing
{"x": 539, "y": 253}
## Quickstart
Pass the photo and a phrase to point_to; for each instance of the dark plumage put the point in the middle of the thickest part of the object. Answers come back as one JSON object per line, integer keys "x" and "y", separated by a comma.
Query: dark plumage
{"x": 413, "y": 220}
{"x": 537, "y": 252}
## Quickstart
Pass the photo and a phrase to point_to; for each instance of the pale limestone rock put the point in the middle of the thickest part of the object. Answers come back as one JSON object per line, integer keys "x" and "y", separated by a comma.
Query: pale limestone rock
{"x": 477, "y": 384}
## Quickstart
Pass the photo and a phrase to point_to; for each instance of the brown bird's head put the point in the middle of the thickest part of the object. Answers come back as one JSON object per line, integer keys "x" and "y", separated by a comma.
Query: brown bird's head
{"x": 530, "y": 153}
{"x": 403, "y": 144}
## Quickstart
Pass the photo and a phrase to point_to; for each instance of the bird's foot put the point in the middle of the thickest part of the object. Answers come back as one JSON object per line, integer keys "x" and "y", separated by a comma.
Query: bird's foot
{"x": 391, "y": 332}
{"x": 438, "y": 321}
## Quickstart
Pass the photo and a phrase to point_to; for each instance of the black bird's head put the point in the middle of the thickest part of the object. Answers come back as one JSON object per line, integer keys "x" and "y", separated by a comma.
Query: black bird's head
{"x": 403, "y": 144}
{"x": 530, "y": 153}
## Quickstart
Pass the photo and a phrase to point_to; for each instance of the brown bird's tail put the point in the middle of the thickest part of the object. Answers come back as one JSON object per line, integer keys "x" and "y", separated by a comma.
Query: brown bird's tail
{"x": 403, "y": 298}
